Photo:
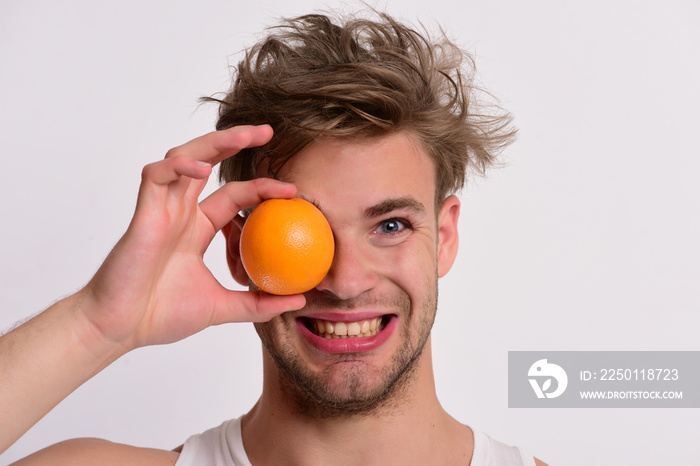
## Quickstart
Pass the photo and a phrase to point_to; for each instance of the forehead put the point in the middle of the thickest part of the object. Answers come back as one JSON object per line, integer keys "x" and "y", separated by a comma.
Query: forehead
{"x": 376, "y": 168}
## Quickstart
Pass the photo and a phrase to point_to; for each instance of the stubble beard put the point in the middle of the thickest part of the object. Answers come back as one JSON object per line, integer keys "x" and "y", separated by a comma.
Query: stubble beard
{"x": 315, "y": 396}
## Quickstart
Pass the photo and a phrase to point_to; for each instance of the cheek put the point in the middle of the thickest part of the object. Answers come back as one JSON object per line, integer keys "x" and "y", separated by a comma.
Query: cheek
{"x": 274, "y": 331}
{"x": 411, "y": 268}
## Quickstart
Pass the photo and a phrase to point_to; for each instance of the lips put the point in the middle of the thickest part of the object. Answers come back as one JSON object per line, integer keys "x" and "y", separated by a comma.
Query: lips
{"x": 341, "y": 334}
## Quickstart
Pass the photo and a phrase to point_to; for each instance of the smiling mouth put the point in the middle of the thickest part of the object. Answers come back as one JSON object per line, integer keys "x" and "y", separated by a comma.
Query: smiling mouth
{"x": 355, "y": 329}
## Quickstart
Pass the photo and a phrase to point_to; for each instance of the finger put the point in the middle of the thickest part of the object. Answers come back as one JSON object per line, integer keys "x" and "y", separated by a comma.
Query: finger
{"x": 225, "y": 203}
{"x": 255, "y": 306}
{"x": 171, "y": 170}
{"x": 218, "y": 145}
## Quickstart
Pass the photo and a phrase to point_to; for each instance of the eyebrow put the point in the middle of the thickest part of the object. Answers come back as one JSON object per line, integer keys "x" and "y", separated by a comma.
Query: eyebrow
{"x": 392, "y": 204}
{"x": 384, "y": 207}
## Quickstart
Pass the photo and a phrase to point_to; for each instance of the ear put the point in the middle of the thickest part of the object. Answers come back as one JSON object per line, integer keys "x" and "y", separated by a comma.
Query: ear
{"x": 448, "y": 236}
{"x": 232, "y": 233}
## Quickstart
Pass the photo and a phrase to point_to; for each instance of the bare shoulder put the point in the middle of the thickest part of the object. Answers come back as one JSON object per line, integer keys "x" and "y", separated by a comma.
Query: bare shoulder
{"x": 91, "y": 451}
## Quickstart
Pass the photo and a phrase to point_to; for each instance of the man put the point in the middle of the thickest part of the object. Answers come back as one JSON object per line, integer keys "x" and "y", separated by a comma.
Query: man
{"x": 371, "y": 122}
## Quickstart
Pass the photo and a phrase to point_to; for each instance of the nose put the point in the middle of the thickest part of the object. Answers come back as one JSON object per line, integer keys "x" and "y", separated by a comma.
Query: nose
{"x": 351, "y": 273}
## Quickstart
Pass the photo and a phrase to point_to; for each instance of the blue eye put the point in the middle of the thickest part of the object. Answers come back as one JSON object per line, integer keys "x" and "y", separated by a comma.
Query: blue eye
{"x": 391, "y": 226}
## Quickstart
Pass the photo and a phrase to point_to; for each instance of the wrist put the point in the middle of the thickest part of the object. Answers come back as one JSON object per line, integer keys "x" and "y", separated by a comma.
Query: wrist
{"x": 85, "y": 336}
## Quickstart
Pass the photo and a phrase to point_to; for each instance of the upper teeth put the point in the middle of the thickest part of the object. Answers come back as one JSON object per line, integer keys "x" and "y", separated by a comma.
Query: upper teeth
{"x": 328, "y": 329}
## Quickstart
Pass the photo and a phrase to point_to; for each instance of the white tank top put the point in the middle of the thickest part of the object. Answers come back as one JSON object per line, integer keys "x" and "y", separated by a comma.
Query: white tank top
{"x": 223, "y": 446}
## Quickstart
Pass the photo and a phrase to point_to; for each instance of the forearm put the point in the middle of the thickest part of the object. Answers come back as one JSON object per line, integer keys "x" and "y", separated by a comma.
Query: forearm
{"x": 153, "y": 288}
{"x": 44, "y": 360}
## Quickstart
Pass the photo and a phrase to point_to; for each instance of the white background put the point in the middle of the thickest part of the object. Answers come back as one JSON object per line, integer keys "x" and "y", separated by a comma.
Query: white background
{"x": 587, "y": 240}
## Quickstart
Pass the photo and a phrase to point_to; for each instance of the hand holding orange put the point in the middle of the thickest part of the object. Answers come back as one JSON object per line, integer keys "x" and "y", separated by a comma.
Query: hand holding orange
{"x": 286, "y": 246}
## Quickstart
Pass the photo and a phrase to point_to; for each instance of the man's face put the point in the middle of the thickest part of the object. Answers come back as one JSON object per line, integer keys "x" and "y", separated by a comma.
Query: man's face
{"x": 378, "y": 197}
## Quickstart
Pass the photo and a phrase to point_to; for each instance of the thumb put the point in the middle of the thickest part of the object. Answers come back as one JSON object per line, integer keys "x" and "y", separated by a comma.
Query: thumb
{"x": 255, "y": 306}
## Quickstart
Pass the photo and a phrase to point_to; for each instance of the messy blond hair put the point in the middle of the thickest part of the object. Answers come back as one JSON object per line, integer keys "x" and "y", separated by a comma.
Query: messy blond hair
{"x": 311, "y": 77}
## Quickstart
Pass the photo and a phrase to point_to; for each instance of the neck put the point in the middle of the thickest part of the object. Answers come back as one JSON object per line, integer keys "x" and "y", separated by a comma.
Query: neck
{"x": 404, "y": 430}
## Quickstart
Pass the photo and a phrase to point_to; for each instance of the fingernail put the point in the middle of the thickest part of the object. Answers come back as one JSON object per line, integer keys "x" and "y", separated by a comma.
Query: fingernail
{"x": 202, "y": 164}
{"x": 302, "y": 303}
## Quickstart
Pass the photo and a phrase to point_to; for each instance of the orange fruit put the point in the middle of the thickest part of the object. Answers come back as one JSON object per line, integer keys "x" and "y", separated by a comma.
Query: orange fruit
{"x": 286, "y": 246}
